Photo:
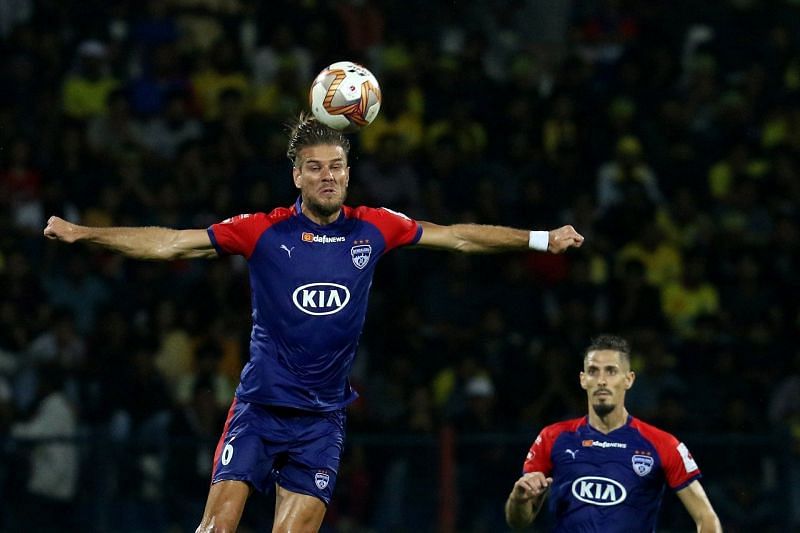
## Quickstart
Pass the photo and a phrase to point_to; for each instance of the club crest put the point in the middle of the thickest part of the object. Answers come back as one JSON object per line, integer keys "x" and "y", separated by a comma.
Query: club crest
{"x": 321, "y": 479}
{"x": 642, "y": 464}
{"x": 360, "y": 255}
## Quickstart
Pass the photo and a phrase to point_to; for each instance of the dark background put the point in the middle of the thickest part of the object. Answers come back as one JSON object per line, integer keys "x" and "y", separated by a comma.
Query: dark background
{"x": 667, "y": 133}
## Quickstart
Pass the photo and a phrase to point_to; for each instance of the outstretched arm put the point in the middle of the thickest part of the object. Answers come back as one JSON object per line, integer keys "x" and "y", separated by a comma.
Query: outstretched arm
{"x": 526, "y": 498}
{"x": 139, "y": 243}
{"x": 477, "y": 238}
{"x": 696, "y": 502}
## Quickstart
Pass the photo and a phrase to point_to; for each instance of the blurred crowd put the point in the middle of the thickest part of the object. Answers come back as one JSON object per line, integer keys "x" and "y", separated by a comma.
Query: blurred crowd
{"x": 667, "y": 133}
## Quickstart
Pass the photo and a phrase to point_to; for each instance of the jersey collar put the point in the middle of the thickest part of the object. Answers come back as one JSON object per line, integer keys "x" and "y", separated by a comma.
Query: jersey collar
{"x": 625, "y": 425}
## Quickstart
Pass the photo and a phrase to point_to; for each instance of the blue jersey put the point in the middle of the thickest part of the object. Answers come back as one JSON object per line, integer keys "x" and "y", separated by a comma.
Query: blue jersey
{"x": 310, "y": 286}
{"x": 609, "y": 482}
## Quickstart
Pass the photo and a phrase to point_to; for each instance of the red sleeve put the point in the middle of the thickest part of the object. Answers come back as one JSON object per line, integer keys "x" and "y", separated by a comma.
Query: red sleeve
{"x": 538, "y": 458}
{"x": 541, "y": 451}
{"x": 679, "y": 466}
{"x": 396, "y": 228}
{"x": 238, "y": 235}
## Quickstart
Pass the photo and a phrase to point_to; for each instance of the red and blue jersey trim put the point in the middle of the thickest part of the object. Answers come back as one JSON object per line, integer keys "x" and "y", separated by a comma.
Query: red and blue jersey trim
{"x": 223, "y": 437}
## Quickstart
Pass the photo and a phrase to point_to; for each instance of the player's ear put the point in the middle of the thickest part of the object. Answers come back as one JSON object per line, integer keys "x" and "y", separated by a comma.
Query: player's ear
{"x": 346, "y": 176}
{"x": 630, "y": 377}
{"x": 296, "y": 176}
{"x": 583, "y": 380}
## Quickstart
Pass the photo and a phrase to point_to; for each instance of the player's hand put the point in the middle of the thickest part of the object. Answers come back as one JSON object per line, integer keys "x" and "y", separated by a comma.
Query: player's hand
{"x": 59, "y": 229}
{"x": 530, "y": 486}
{"x": 562, "y": 238}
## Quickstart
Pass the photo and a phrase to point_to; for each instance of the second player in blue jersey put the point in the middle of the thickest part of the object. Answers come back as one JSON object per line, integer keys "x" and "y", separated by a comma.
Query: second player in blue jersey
{"x": 606, "y": 472}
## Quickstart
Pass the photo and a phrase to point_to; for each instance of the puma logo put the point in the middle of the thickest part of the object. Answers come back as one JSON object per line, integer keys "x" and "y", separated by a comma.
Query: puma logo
{"x": 572, "y": 453}
{"x": 288, "y": 250}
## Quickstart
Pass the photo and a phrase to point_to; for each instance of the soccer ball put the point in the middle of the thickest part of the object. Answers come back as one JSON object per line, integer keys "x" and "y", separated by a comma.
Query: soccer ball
{"x": 345, "y": 96}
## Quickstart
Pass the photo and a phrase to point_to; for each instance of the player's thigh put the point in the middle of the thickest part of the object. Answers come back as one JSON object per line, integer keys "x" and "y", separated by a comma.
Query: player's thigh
{"x": 224, "y": 506}
{"x": 296, "y": 512}
{"x": 311, "y": 465}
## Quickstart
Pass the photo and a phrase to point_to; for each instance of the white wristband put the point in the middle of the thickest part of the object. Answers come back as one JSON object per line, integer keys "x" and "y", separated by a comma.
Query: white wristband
{"x": 539, "y": 240}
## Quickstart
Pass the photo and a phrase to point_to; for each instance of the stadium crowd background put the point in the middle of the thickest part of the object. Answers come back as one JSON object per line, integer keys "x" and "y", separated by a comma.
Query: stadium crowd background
{"x": 667, "y": 133}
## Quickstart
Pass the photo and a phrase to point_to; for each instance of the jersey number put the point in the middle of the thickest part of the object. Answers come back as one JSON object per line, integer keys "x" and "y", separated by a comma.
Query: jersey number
{"x": 227, "y": 454}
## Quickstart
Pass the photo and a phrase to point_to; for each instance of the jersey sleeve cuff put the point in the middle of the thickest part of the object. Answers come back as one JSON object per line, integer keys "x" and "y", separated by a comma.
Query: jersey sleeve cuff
{"x": 687, "y": 482}
{"x": 214, "y": 242}
{"x": 417, "y": 236}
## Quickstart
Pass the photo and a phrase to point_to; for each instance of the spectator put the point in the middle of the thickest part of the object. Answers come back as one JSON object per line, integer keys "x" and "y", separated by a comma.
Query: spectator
{"x": 662, "y": 260}
{"x": 281, "y": 51}
{"x": 693, "y": 296}
{"x": 388, "y": 178}
{"x": 219, "y": 71}
{"x": 113, "y": 134}
{"x": 165, "y": 133}
{"x": 401, "y": 116}
{"x": 21, "y": 186}
{"x": 636, "y": 302}
{"x": 206, "y": 372}
{"x": 627, "y": 178}
{"x": 162, "y": 77}
{"x": 80, "y": 290}
{"x": 175, "y": 350}
{"x": 62, "y": 347}
{"x": 53, "y": 482}
{"x": 86, "y": 89}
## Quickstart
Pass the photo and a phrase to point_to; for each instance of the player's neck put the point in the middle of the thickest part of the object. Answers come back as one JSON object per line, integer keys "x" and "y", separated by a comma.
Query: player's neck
{"x": 608, "y": 423}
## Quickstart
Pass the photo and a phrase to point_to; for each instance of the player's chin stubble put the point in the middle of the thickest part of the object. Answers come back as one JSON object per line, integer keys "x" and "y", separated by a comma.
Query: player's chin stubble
{"x": 326, "y": 209}
{"x": 602, "y": 409}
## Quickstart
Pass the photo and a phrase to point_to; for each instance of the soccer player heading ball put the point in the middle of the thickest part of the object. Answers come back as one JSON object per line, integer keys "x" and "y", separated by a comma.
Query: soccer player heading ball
{"x": 311, "y": 266}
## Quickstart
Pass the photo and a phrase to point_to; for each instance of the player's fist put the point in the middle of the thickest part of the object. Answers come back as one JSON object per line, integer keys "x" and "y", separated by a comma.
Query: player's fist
{"x": 559, "y": 240}
{"x": 59, "y": 229}
{"x": 531, "y": 485}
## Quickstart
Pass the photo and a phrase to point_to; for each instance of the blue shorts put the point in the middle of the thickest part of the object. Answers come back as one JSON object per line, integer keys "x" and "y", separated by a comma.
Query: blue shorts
{"x": 298, "y": 450}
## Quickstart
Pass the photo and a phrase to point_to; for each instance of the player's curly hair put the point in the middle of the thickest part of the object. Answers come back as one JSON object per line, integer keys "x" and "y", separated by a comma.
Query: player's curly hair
{"x": 609, "y": 342}
{"x": 308, "y": 131}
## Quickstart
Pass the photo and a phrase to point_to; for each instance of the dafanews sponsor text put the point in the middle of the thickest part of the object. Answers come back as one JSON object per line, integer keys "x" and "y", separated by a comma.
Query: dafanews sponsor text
{"x": 324, "y": 239}
{"x": 603, "y": 444}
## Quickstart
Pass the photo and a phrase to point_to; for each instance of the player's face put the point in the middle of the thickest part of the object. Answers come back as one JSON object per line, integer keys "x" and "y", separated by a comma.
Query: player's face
{"x": 322, "y": 176}
{"x": 605, "y": 378}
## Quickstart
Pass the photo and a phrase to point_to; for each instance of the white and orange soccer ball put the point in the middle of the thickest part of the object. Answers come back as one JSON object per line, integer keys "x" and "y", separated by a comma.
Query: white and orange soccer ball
{"x": 345, "y": 96}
